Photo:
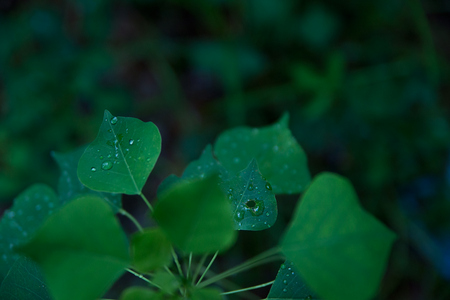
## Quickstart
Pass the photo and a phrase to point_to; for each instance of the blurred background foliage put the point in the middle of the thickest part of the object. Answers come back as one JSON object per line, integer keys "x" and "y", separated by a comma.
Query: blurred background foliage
{"x": 365, "y": 82}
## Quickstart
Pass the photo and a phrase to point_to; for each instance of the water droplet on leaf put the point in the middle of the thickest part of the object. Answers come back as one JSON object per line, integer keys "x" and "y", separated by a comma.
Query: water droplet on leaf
{"x": 107, "y": 165}
{"x": 93, "y": 169}
{"x": 114, "y": 121}
{"x": 285, "y": 281}
{"x": 131, "y": 142}
{"x": 268, "y": 186}
{"x": 250, "y": 187}
{"x": 285, "y": 290}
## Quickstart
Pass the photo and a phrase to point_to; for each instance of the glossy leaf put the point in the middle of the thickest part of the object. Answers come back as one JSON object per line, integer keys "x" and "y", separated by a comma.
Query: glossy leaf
{"x": 150, "y": 250}
{"x": 280, "y": 158}
{"x": 205, "y": 166}
{"x": 24, "y": 282}
{"x": 341, "y": 250}
{"x": 289, "y": 285}
{"x": 122, "y": 156}
{"x": 253, "y": 204}
{"x": 140, "y": 293}
{"x": 69, "y": 185}
{"x": 18, "y": 224}
{"x": 205, "y": 294}
{"x": 196, "y": 217}
{"x": 81, "y": 245}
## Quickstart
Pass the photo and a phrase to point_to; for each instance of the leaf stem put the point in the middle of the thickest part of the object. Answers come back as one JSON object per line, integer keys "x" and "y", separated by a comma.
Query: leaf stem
{"x": 260, "y": 259}
{"x": 249, "y": 288}
{"x": 199, "y": 266}
{"x": 207, "y": 268}
{"x": 169, "y": 271}
{"x": 188, "y": 273}
{"x": 175, "y": 258}
{"x": 146, "y": 202}
{"x": 142, "y": 277}
{"x": 129, "y": 216}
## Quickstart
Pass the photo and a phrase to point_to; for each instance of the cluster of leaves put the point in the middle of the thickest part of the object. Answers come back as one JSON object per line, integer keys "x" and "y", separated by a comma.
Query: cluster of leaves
{"x": 71, "y": 246}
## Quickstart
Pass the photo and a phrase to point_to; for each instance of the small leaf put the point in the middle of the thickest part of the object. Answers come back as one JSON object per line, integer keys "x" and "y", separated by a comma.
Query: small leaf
{"x": 122, "y": 156}
{"x": 69, "y": 185}
{"x": 205, "y": 294}
{"x": 140, "y": 293}
{"x": 167, "y": 282}
{"x": 341, "y": 250}
{"x": 24, "y": 282}
{"x": 281, "y": 159}
{"x": 253, "y": 204}
{"x": 81, "y": 245}
{"x": 150, "y": 250}
{"x": 18, "y": 224}
{"x": 289, "y": 285}
{"x": 205, "y": 166}
{"x": 196, "y": 217}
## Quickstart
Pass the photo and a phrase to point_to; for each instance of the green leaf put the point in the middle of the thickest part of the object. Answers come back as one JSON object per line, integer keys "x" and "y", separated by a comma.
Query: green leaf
{"x": 289, "y": 285}
{"x": 253, "y": 204}
{"x": 150, "y": 250}
{"x": 196, "y": 216}
{"x": 167, "y": 282}
{"x": 18, "y": 224}
{"x": 24, "y": 282}
{"x": 69, "y": 185}
{"x": 205, "y": 166}
{"x": 140, "y": 293}
{"x": 81, "y": 245}
{"x": 205, "y": 294}
{"x": 122, "y": 156}
{"x": 341, "y": 250}
{"x": 281, "y": 159}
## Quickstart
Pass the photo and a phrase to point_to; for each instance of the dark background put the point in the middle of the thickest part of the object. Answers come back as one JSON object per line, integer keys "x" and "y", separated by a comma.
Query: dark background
{"x": 365, "y": 83}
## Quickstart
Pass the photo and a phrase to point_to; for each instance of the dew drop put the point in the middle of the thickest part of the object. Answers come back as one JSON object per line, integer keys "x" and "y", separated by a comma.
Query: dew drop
{"x": 230, "y": 196}
{"x": 285, "y": 281}
{"x": 239, "y": 216}
{"x": 253, "y": 226}
{"x": 114, "y": 121}
{"x": 268, "y": 186}
{"x": 93, "y": 169}
{"x": 285, "y": 290}
{"x": 250, "y": 187}
{"x": 283, "y": 266}
{"x": 131, "y": 142}
{"x": 101, "y": 156}
{"x": 107, "y": 165}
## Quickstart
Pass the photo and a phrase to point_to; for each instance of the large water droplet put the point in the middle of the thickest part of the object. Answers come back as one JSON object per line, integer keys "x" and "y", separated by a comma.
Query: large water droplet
{"x": 131, "y": 142}
{"x": 107, "y": 165}
{"x": 93, "y": 169}
{"x": 268, "y": 186}
{"x": 114, "y": 121}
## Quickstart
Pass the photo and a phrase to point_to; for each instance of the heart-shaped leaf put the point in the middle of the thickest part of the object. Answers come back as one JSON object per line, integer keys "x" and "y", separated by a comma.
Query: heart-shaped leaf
{"x": 18, "y": 224}
{"x": 340, "y": 250}
{"x": 24, "y": 282}
{"x": 122, "y": 156}
{"x": 150, "y": 250}
{"x": 253, "y": 204}
{"x": 195, "y": 216}
{"x": 80, "y": 245}
{"x": 69, "y": 185}
{"x": 289, "y": 285}
{"x": 280, "y": 158}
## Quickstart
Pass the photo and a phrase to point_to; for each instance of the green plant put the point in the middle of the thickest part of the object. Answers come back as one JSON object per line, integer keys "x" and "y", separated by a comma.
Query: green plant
{"x": 71, "y": 246}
